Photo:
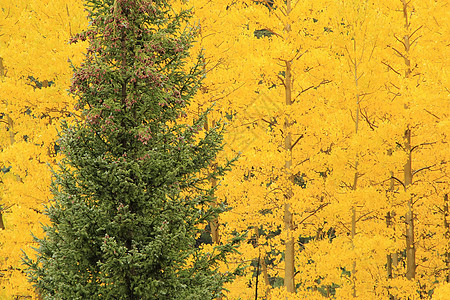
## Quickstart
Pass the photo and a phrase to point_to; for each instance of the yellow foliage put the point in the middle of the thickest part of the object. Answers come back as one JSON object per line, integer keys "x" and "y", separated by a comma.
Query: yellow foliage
{"x": 352, "y": 105}
{"x": 34, "y": 77}
{"x": 356, "y": 86}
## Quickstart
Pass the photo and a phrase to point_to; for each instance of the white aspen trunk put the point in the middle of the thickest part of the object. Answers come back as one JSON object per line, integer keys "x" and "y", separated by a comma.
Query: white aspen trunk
{"x": 410, "y": 246}
{"x": 213, "y": 224}
{"x": 447, "y": 235}
{"x": 407, "y": 170}
{"x": 355, "y": 178}
{"x": 289, "y": 254}
{"x": 288, "y": 222}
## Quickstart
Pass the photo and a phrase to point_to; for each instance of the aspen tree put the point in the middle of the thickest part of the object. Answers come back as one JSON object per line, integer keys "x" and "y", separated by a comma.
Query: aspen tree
{"x": 268, "y": 118}
{"x": 34, "y": 78}
{"x": 413, "y": 74}
{"x": 289, "y": 255}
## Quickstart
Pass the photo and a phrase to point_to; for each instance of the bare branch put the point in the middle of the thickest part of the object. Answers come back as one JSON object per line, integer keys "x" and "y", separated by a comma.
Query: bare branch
{"x": 421, "y": 169}
{"x": 414, "y": 41}
{"x": 432, "y": 114}
{"x": 312, "y": 213}
{"x": 387, "y": 65}
{"x": 398, "y": 52}
{"x": 324, "y": 81}
{"x": 271, "y": 123}
{"x": 282, "y": 80}
{"x": 399, "y": 40}
{"x": 350, "y": 57}
{"x": 215, "y": 66}
{"x": 344, "y": 226}
{"x": 398, "y": 180}
{"x": 371, "y": 125}
{"x": 420, "y": 145}
{"x": 362, "y": 216}
{"x": 300, "y": 55}
{"x": 295, "y": 143}
{"x": 273, "y": 32}
{"x": 235, "y": 89}
{"x": 303, "y": 161}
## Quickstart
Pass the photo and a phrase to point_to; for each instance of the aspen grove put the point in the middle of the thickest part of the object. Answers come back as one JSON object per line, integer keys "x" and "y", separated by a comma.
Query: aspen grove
{"x": 338, "y": 112}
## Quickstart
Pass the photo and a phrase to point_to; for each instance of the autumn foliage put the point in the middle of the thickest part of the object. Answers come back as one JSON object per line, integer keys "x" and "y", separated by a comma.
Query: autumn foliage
{"x": 34, "y": 78}
{"x": 339, "y": 111}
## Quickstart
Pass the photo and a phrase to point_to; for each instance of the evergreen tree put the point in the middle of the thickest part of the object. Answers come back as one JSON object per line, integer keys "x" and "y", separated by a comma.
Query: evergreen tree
{"x": 131, "y": 194}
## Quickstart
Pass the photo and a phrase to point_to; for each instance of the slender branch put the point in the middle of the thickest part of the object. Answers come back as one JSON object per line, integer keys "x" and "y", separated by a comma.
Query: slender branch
{"x": 387, "y": 65}
{"x": 411, "y": 35}
{"x": 398, "y": 52}
{"x": 350, "y": 57}
{"x": 372, "y": 126}
{"x": 325, "y": 81}
{"x": 235, "y": 89}
{"x": 399, "y": 40}
{"x": 273, "y": 32}
{"x": 398, "y": 180}
{"x": 313, "y": 213}
{"x": 344, "y": 226}
{"x": 414, "y": 41}
{"x": 364, "y": 215}
{"x": 295, "y": 143}
{"x": 421, "y": 169}
{"x": 432, "y": 114}
{"x": 282, "y": 80}
{"x": 213, "y": 67}
{"x": 303, "y": 161}
{"x": 420, "y": 145}
{"x": 299, "y": 54}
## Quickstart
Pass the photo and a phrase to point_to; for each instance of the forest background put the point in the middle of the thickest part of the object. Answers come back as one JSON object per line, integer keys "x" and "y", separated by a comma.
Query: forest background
{"x": 339, "y": 111}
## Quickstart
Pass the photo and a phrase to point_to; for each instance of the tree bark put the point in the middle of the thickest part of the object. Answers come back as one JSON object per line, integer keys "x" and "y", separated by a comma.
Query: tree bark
{"x": 2, "y": 225}
{"x": 447, "y": 235}
{"x": 265, "y": 275}
{"x": 392, "y": 258}
{"x": 289, "y": 254}
{"x": 355, "y": 178}
{"x": 407, "y": 170}
{"x": 263, "y": 265}
{"x": 410, "y": 246}
{"x": 2, "y": 68}
{"x": 2, "y": 73}
{"x": 213, "y": 224}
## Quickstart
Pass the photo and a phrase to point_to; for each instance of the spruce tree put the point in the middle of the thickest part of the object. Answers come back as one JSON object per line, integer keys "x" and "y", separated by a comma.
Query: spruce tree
{"x": 131, "y": 193}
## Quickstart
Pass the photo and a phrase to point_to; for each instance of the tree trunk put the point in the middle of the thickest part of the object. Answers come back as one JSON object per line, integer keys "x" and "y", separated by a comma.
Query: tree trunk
{"x": 289, "y": 254}
{"x": 353, "y": 246}
{"x": 410, "y": 247}
{"x": 2, "y": 68}
{"x": 2, "y": 73}
{"x": 263, "y": 265}
{"x": 266, "y": 276}
{"x": 2, "y": 225}
{"x": 213, "y": 224}
{"x": 11, "y": 129}
{"x": 355, "y": 178}
{"x": 447, "y": 235}
{"x": 407, "y": 170}
{"x": 392, "y": 258}
{"x": 288, "y": 222}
